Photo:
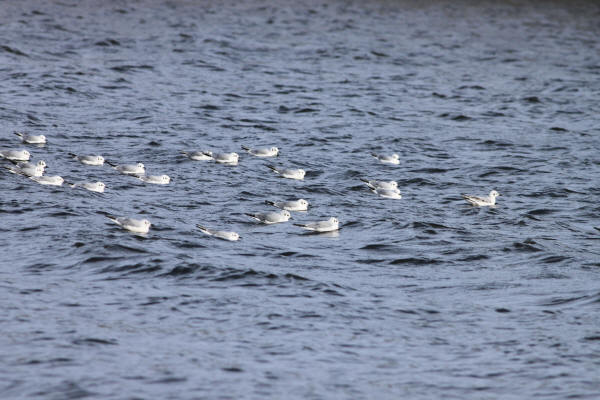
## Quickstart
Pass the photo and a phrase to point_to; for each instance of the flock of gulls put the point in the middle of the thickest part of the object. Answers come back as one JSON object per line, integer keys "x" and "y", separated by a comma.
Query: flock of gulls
{"x": 21, "y": 165}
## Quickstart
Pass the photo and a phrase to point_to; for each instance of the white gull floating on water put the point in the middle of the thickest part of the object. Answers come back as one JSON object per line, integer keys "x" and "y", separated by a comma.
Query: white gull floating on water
{"x": 225, "y": 158}
{"x": 389, "y": 185}
{"x": 292, "y": 205}
{"x": 271, "y": 217}
{"x": 155, "y": 179}
{"x": 129, "y": 169}
{"x": 131, "y": 224}
{"x": 289, "y": 173}
{"x": 225, "y": 235}
{"x": 198, "y": 155}
{"x": 262, "y": 152}
{"x": 31, "y": 139}
{"x": 97, "y": 187}
{"x": 89, "y": 160}
{"x": 15, "y": 155}
{"x": 54, "y": 180}
{"x": 387, "y": 159}
{"x": 332, "y": 224}
{"x": 482, "y": 201}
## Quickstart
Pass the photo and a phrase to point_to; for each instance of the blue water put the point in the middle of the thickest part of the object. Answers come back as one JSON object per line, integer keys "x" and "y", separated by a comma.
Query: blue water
{"x": 424, "y": 297}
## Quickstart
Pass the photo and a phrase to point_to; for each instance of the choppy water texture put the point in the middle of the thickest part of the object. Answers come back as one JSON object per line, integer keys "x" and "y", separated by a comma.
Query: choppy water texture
{"x": 424, "y": 297}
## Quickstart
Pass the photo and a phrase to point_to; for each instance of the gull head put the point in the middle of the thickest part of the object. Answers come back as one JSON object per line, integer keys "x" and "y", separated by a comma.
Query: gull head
{"x": 146, "y": 223}
{"x": 286, "y": 214}
{"x": 333, "y": 220}
{"x": 100, "y": 159}
{"x": 26, "y": 153}
{"x": 494, "y": 194}
{"x": 303, "y": 202}
{"x": 165, "y": 178}
{"x": 139, "y": 165}
{"x": 100, "y": 184}
{"x": 41, "y": 163}
{"x": 274, "y": 150}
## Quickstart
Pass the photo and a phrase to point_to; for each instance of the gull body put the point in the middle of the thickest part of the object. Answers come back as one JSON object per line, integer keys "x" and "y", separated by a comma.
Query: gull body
{"x": 226, "y": 158}
{"x": 390, "y": 185}
{"x": 155, "y": 179}
{"x": 225, "y": 235}
{"x": 31, "y": 139}
{"x": 271, "y": 217}
{"x": 388, "y": 193}
{"x": 97, "y": 187}
{"x": 387, "y": 159}
{"x": 293, "y": 205}
{"x": 198, "y": 155}
{"x": 29, "y": 164}
{"x": 130, "y": 169}
{"x": 131, "y": 224}
{"x": 89, "y": 160}
{"x": 332, "y": 224}
{"x": 289, "y": 173}
{"x": 15, "y": 155}
{"x": 489, "y": 200}
{"x": 28, "y": 170}
{"x": 54, "y": 180}
{"x": 262, "y": 152}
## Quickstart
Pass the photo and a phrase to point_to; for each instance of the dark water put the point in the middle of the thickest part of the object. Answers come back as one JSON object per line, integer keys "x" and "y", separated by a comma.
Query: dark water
{"x": 423, "y": 297}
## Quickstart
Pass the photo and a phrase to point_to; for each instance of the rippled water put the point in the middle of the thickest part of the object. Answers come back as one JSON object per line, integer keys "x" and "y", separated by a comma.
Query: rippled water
{"x": 424, "y": 297}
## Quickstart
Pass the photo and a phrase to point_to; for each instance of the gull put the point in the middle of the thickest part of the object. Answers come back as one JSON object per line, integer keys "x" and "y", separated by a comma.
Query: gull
{"x": 225, "y": 158}
{"x": 388, "y": 193}
{"x": 390, "y": 185}
{"x": 263, "y": 152}
{"x": 225, "y": 235}
{"x": 198, "y": 155}
{"x": 89, "y": 160}
{"x": 31, "y": 139}
{"x": 294, "y": 205}
{"x": 271, "y": 217}
{"x": 29, "y": 169}
{"x": 387, "y": 159}
{"x": 332, "y": 224}
{"x": 97, "y": 187}
{"x": 48, "y": 180}
{"x": 129, "y": 169}
{"x": 131, "y": 224}
{"x": 15, "y": 155}
{"x": 289, "y": 173}
{"x": 29, "y": 164}
{"x": 482, "y": 201}
{"x": 156, "y": 179}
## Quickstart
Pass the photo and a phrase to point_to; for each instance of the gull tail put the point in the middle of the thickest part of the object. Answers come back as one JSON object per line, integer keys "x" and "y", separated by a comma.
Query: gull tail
{"x": 19, "y": 134}
{"x": 368, "y": 183}
{"x": 207, "y": 153}
{"x": 203, "y": 229}
{"x": 72, "y": 155}
{"x": 110, "y": 163}
{"x": 246, "y": 148}
{"x": 271, "y": 203}
{"x": 272, "y": 167}
{"x": 252, "y": 216}
{"x": 300, "y": 225}
{"x": 374, "y": 155}
{"x": 113, "y": 219}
